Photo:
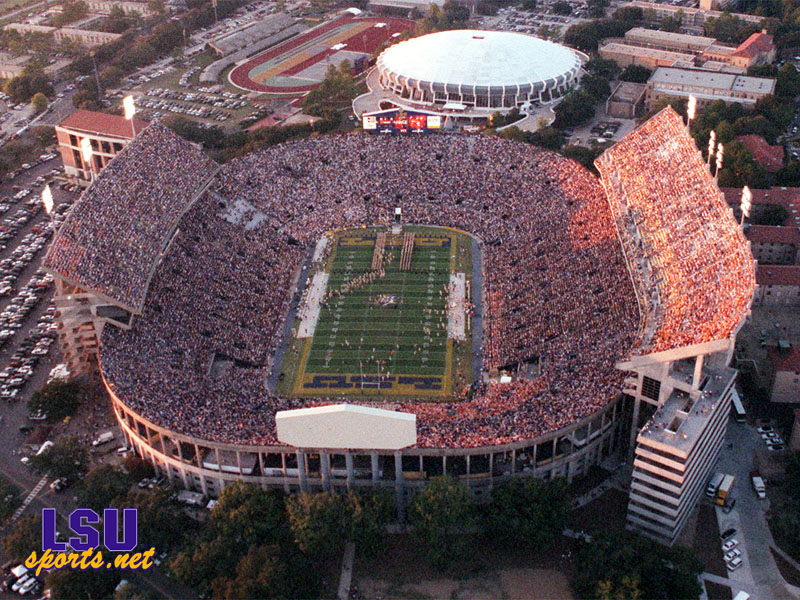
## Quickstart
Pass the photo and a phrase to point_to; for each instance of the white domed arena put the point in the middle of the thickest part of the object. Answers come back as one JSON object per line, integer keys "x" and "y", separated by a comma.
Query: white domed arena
{"x": 494, "y": 70}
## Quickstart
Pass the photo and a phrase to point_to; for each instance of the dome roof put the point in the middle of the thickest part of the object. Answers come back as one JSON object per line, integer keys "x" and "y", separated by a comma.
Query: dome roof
{"x": 473, "y": 57}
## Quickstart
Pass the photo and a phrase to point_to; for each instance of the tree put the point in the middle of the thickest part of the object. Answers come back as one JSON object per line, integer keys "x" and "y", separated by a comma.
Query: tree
{"x": 729, "y": 29}
{"x": 630, "y": 14}
{"x": 71, "y": 11}
{"x": 23, "y": 87}
{"x": 442, "y": 517}
{"x": 627, "y": 565}
{"x": 57, "y": 399}
{"x": 636, "y": 74}
{"x": 261, "y": 573}
{"x": 246, "y": 516}
{"x": 39, "y": 102}
{"x": 74, "y": 583}
{"x": 101, "y": 486}
{"x": 526, "y": 514}
{"x": 319, "y": 523}
{"x": 162, "y": 523}
{"x": 529, "y": 5}
{"x": 67, "y": 457}
{"x": 596, "y": 87}
{"x": 136, "y": 468}
{"x": 562, "y": 8}
{"x": 576, "y": 108}
{"x": 25, "y": 537}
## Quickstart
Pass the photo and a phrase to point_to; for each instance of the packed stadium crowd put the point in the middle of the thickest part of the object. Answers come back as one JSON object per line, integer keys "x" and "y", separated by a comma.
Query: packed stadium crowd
{"x": 115, "y": 234}
{"x": 556, "y": 289}
{"x": 685, "y": 250}
{"x": 557, "y": 293}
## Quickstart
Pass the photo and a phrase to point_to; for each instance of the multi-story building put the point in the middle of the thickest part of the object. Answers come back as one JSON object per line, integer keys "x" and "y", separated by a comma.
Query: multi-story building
{"x": 785, "y": 382}
{"x": 774, "y": 245}
{"x": 777, "y": 285}
{"x": 84, "y": 36}
{"x": 676, "y": 450}
{"x": 685, "y": 15}
{"x": 707, "y": 87}
{"x": 109, "y": 134}
{"x": 652, "y": 48}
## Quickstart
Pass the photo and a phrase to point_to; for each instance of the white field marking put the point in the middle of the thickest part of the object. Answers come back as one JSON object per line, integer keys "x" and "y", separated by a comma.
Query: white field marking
{"x": 456, "y": 313}
{"x": 320, "y": 249}
{"x": 310, "y": 312}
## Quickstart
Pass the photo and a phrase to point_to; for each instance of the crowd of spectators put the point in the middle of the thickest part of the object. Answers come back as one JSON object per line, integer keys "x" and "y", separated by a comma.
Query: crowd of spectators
{"x": 557, "y": 292}
{"x": 556, "y": 289}
{"x": 119, "y": 227}
{"x": 694, "y": 268}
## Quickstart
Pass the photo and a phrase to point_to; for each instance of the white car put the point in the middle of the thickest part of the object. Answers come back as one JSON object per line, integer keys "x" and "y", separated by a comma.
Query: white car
{"x": 765, "y": 429}
{"x": 734, "y": 564}
{"x": 730, "y": 545}
{"x": 731, "y": 554}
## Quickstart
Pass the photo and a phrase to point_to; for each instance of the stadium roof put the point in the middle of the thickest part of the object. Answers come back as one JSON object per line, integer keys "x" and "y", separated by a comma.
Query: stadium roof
{"x": 116, "y": 232}
{"x": 473, "y": 57}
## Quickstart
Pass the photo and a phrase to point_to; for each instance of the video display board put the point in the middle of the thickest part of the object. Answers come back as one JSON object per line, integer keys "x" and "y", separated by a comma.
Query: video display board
{"x": 400, "y": 121}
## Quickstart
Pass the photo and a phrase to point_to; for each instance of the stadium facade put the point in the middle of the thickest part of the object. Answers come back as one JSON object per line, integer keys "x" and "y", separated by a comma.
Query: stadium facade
{"x": 642, "y": 366}
{"x": 471, "y": 69}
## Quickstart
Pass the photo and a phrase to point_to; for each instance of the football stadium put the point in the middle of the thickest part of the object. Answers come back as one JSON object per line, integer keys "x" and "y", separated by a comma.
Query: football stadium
{"x": 506, "y": 308}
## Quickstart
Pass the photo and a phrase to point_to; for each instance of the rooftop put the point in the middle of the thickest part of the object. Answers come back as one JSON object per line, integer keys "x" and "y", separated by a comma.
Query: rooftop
{"x": 769, "y": 157}
{"x": 712, "y": 80}
{"x": 786, "y": 361}
{"x": 679, "y": 422}
{"x": 757, "y": 43}
{"x": 88, "y": 121}
{"x": 778, "y": 275}
{"x": 765, "y": 234}
{"x": 474, "y": 57}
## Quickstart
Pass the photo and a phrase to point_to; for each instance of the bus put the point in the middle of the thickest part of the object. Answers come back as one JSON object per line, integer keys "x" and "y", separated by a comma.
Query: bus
{"x": 738, "y": 410}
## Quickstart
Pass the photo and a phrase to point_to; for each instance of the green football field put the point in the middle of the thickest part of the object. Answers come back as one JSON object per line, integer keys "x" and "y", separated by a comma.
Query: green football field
{"x": 384, "y": 333}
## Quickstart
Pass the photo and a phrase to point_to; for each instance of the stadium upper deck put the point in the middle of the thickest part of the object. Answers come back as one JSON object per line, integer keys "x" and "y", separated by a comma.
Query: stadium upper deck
{"x": 691, "y": 262}
{"x": 117, "y": 230}
{"x": 557, "y": 292}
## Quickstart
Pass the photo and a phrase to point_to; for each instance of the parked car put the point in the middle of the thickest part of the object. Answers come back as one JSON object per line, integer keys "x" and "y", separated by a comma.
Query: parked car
{"x": 728, "y": 533}
{"x": 730, "y": 545}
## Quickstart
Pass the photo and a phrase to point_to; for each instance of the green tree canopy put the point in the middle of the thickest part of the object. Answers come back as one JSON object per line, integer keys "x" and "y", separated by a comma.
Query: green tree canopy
{"x": 67, "y": 457}
{"x": 25, "y": 537}
{"x": 57, "y": 399}
{"x": 612, "y": 564}
{"x": 526, "y": 514}
{"x": 101, "y": 486}
{"x": 442, "y": 517}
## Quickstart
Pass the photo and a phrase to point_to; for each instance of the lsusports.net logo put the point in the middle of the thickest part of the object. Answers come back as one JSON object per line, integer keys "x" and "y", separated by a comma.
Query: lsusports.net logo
{"x": 83, "y": 550}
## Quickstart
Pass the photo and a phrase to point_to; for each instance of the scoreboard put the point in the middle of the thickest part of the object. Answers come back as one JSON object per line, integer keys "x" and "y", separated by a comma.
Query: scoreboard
{"x": 397, "y": 120}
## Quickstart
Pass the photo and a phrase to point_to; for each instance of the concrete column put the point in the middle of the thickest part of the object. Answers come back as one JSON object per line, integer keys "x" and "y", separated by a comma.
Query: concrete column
{"x": 634, "y": 429}
{"x": 301, "y": 471}
{"x": 325, "y": 470}
{"x": 285, "y": 478}
{"x": 513, "y": 461}
{"x": 348, "y": 463}
{"x": 374, "y": 460}
{"x": 698, "y": 372}
{"x": 398, "y": 482}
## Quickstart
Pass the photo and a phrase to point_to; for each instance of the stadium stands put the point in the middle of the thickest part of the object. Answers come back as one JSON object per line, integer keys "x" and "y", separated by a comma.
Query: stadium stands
{"x": 691, "y": 261}
{"x": 120, "y": 225}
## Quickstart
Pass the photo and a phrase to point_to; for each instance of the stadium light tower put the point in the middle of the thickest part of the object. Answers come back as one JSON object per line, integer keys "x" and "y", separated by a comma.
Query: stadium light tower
{"x": 691, "y": 110}
{"x": 720, "y": 154}
{"x": 712, "y": 142}
{"x": 47, "y": 199}
{"x": 747, "y": 203}
{"x": 87, "y": 153}
{"x": 130, "y": 110}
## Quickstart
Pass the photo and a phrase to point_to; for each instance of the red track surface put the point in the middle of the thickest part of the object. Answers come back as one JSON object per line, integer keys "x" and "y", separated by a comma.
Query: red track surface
{"x": 366, "y": 41}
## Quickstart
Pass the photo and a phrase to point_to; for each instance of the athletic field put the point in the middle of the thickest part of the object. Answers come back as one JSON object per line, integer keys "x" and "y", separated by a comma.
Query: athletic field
{"x": 375, "y": 319}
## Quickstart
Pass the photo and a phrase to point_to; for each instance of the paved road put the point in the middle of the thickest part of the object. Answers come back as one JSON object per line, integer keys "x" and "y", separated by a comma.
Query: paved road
{"x": 759, "y": 575}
